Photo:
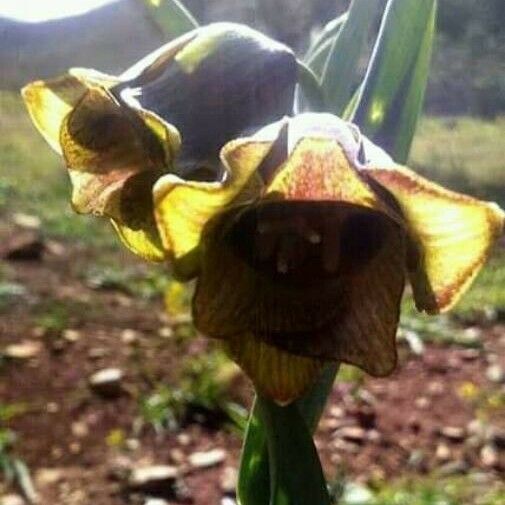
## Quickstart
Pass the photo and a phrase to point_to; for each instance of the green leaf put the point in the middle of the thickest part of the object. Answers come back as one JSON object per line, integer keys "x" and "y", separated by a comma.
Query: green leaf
{"x": 254, "y": 477}
{"x": 296, "y": 476}
{"x": 171, "y": 17}
{"x": 317, "y": 55}
{"x": 393, "y": 90}
{"x": 309, "y": 97}
{"x": 341, "y": 70}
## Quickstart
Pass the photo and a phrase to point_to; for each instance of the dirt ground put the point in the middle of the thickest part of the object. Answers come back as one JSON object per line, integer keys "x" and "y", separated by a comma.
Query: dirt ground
{"x": 441, "y": 411}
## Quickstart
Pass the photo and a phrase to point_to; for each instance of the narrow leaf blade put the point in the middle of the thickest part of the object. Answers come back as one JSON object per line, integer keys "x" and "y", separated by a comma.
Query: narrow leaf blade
{"x": 340, "y": 73}
{"x": 171, "y": 16}
{"x": 393, "y": 90}
{"x": 254, "y": 476}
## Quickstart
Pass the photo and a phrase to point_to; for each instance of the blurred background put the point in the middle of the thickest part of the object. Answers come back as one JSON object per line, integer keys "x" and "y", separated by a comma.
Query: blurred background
{"x": 106, "y": 393}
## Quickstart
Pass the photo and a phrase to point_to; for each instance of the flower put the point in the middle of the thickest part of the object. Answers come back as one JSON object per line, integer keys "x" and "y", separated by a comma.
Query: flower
{"x": 169, "y": 113}
{"x": 305, "y": 246}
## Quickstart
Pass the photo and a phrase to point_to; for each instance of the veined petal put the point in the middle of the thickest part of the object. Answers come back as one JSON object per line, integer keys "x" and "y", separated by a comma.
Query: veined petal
{"x": 318, "y": 170}
{"x": 452, "y": 235}
{"x": 114, "y": 155}
{"x": 338, "y": 297}
{"x": 49, "y": 102}
{"x": 183, "y": 207}
{"x": 279, "y": 375}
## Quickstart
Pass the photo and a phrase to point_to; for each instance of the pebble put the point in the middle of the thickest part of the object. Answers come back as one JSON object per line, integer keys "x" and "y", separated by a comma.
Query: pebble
{"x": 495, "y": 373}
{"x": 228, "y": 501}
{"x": 454, "y": 468}
{"x": 156, "y": 501}
{"x": 443, "y": 453}
{"x": 24, "y": 246}
{"x": 152, "y": 477}
{"x": 228, "y": 480}
{"x": 206, "y": 459}
{"x": 48, "y": 476}
{"x": 23, "y": 350}
{"x": 26, "y": 220}
{"x": 129, "y": 336}
{"x": 80, "y": 429}
{"x": 11, "y": 499}
{"x": 352, "y": 434}
{"x": 489, "y": 456}
{"x": 184, "y": 439}
{"x": 107, "y": 382}
{"x": 166, "y": 332}
{"x": 71, "y": 335}
{"x": 453, "y": 433}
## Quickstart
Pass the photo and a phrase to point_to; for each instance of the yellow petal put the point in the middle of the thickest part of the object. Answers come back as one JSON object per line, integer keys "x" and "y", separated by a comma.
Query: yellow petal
{"x": 318, "y": 170}
{"x": 281, "y": 376}
{"x": 48, "y": 103}
{"x": 143, "y": 242}
{"x": 452, "y": 235}
{"x": 114, "y": 155}
{"x": 183, "y": 207}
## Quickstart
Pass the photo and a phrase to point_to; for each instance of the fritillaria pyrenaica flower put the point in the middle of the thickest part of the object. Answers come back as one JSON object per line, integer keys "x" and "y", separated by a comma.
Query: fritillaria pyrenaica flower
{"x": 306, "y": 245}
{"x": 301, "y": 234}
{"x": 169, "y": 113}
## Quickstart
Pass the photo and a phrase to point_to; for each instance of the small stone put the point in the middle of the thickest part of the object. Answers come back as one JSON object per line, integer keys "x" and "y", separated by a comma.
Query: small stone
{"x": 352, "y": 434}
{"x": 107, "y": 382}
{"x": 470, "y": 354}
{"x": 417, "y": 460}
{"x": 453, "y": 433}
{"x": 71, "y": 335}
{"x": 454, "y": 468}
{"x": 11, "y": 499}
{"x": 177, "y": 455}
{"x": 26, "y": 221}
{"x": 52, "y": 408}
{"x": 80, "y": 429}
{"x": 129, "y": 336}
{"x": 443, "y": 453}
{"x": 422, "y": 402}
{"x": 48, "y": 476}
{"x": 96, "y": 353}
{"x": 132, "y": 444}
{"x": 228, "y": 481}
{"x": 228, "y": 501}
{"x": 336, "y": 411}
{"x": 24, "y": 350}
{"x": 471, "y": 335}
{"x": 152, "y": 478}
{"x": 166, "y": 332}
{"x": 183, "y": 439}
{"x": 495, "y": 373}
{"x": 332, "y": 423}
{"x": 489, "y": 456}
{"x": 436, "y": 388}
{"x": 24, "y": 246}
{"x": 476, "y": 427}
{"x": 206, "y": 459}
{"x": 156, "y": 501}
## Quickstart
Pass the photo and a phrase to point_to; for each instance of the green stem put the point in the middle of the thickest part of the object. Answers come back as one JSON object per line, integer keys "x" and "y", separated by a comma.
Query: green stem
{"x": 254, "y": 477}
{"x": 296, "y": 476}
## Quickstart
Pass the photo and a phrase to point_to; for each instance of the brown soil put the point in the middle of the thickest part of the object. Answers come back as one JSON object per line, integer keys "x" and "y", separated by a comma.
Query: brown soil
{"x": 401, "y": 417}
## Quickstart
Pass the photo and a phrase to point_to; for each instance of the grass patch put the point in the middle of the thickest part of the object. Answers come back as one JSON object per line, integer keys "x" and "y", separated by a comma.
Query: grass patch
{"x": 33, "y": 180}
{"x": 468, "y": 490}
{"x": 464, "y": 153}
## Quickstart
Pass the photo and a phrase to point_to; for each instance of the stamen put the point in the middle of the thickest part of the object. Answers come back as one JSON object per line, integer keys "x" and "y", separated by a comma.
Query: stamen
{"x": 282, "y": 265}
